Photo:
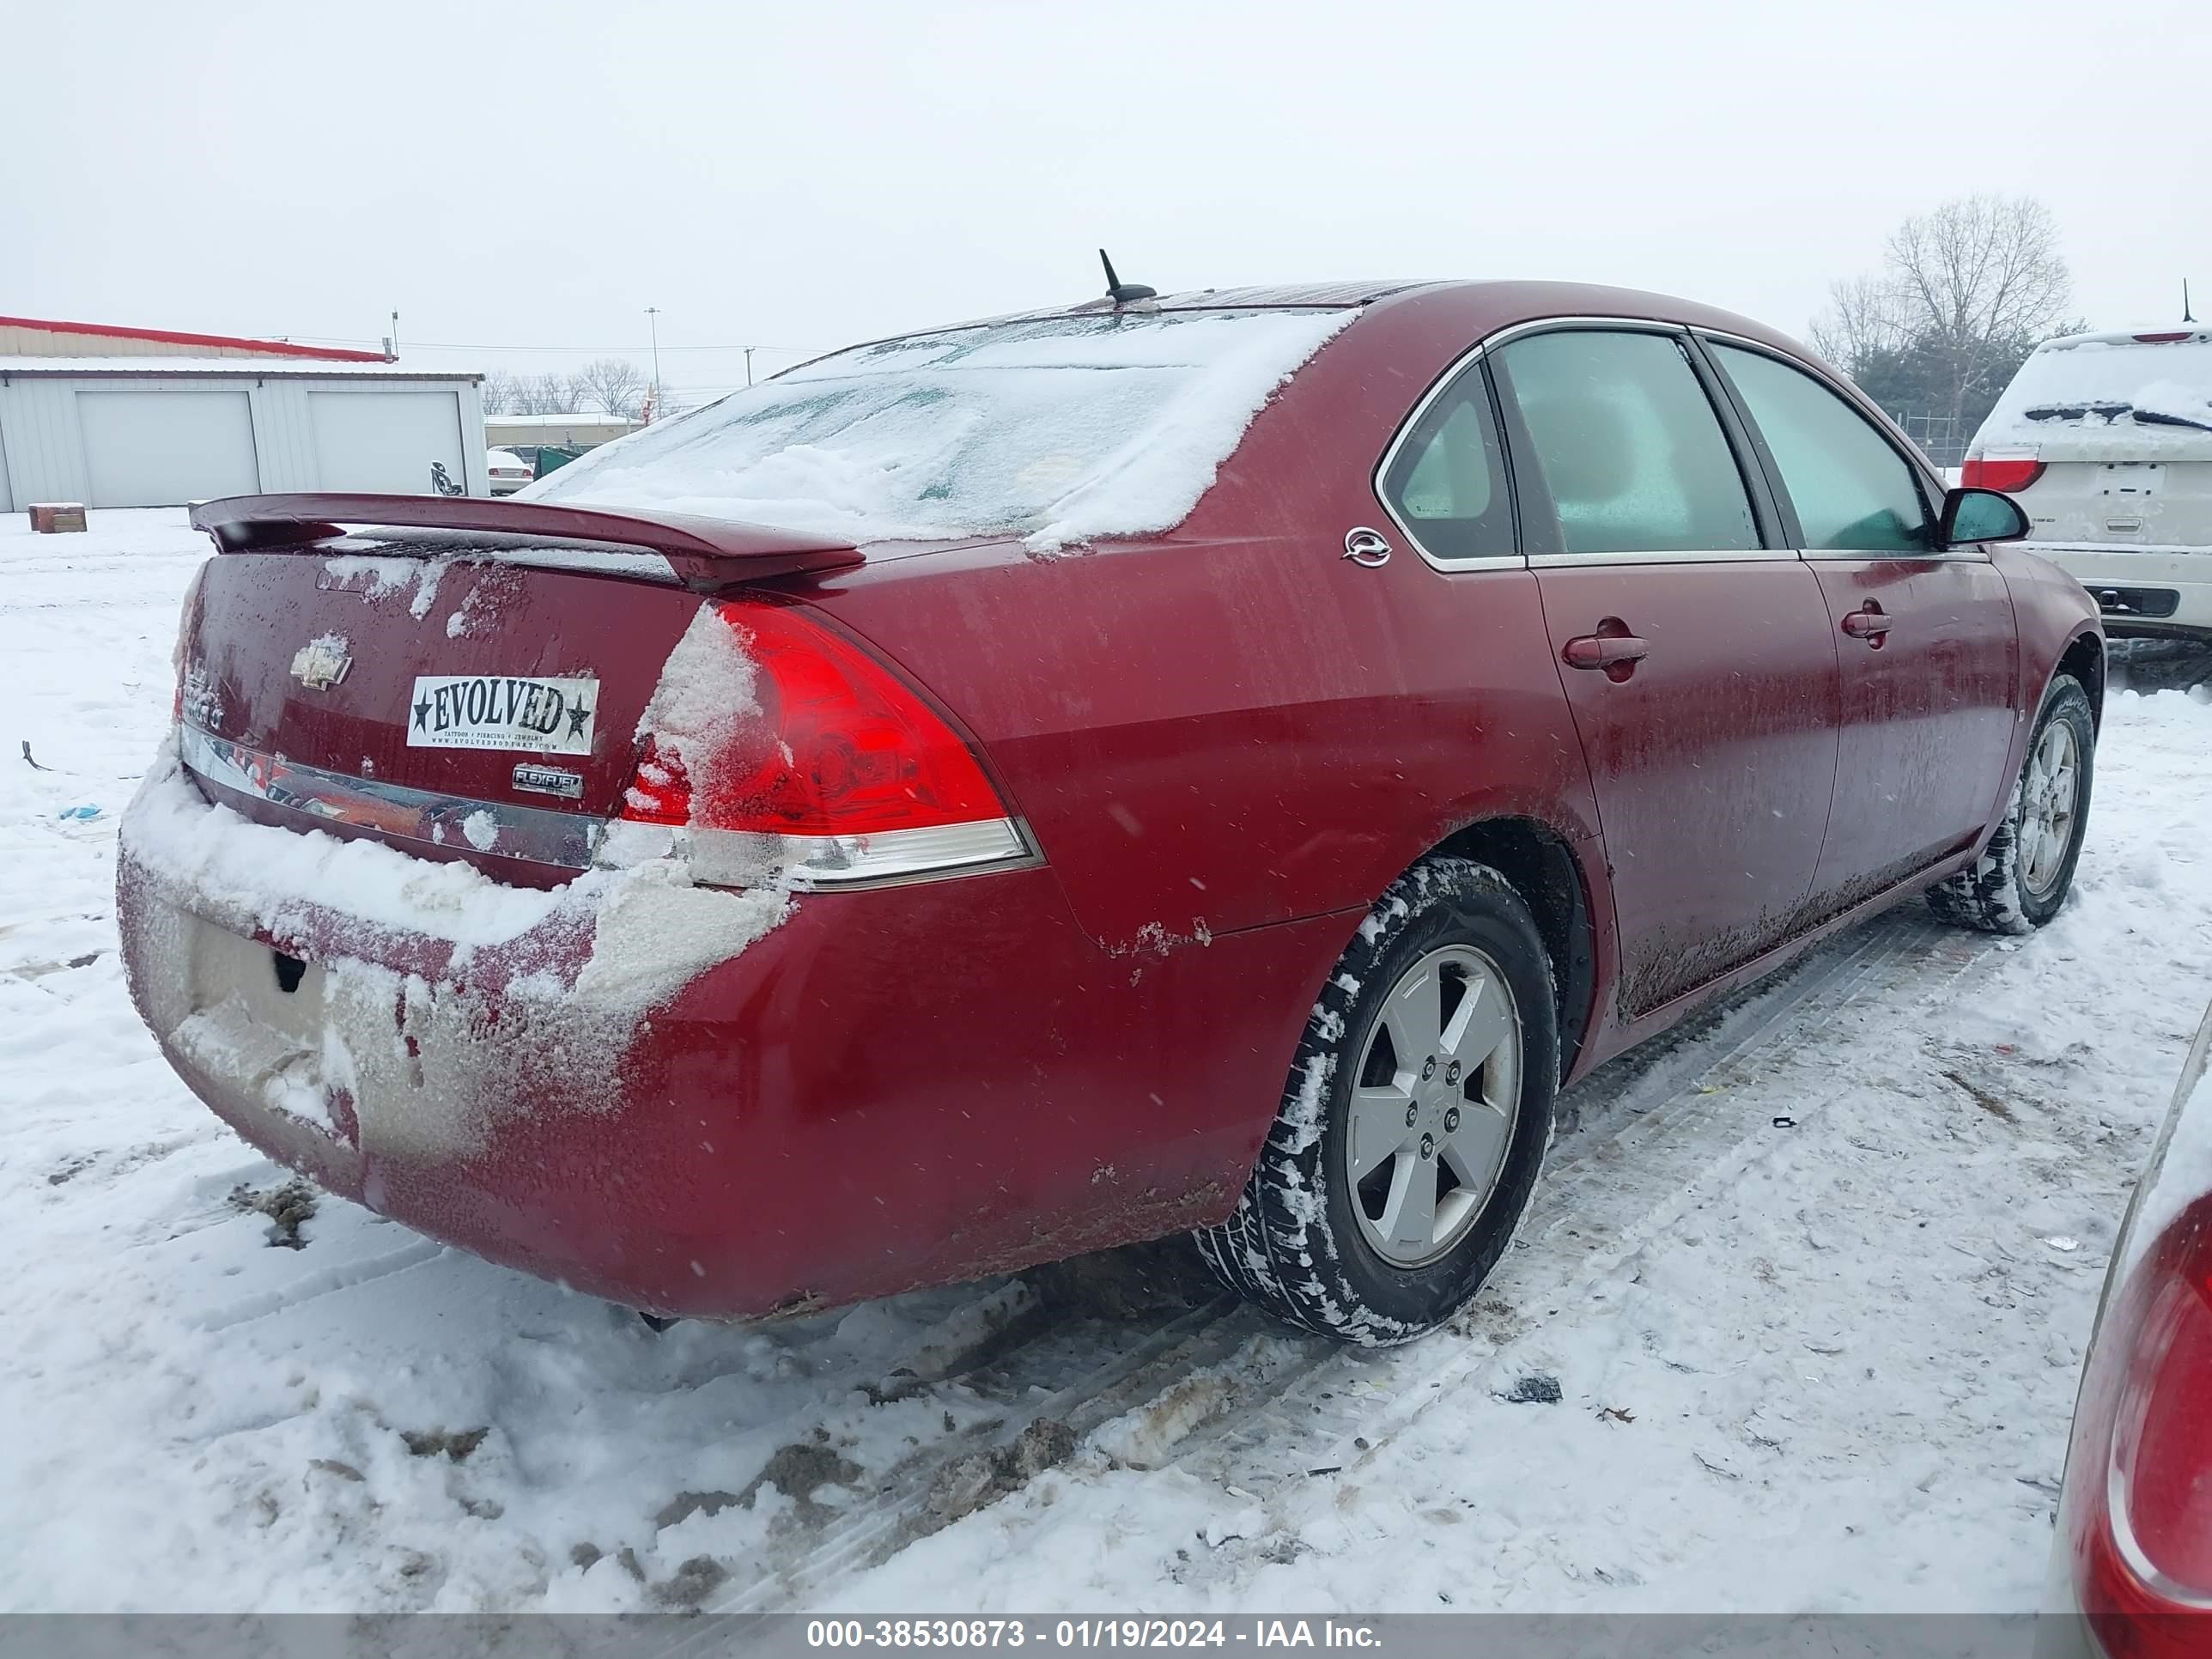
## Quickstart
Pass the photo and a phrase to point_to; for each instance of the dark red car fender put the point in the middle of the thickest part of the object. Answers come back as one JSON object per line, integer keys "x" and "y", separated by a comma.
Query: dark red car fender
{"x": 2058, "y": 626}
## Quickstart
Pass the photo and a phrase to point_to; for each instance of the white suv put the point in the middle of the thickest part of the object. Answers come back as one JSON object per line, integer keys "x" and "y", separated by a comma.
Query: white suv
{"x": 2107, "y": 441}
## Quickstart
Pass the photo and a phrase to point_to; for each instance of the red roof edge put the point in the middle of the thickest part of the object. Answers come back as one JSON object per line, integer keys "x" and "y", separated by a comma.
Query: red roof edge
{"x": 266, "y": 347}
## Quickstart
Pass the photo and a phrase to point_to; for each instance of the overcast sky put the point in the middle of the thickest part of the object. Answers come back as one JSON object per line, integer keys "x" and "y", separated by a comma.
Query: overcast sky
{"x": 536, "y": 174}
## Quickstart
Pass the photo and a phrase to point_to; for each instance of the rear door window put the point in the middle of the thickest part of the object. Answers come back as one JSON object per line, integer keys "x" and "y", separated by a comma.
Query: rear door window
{"x": 1446, "y": 482}
{"x": 1852, "y": 490}
{"x": 1625, "y": 441}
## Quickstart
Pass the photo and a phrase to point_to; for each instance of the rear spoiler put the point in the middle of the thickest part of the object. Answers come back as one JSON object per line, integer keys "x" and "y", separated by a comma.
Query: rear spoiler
{"x": 707, "y": 555}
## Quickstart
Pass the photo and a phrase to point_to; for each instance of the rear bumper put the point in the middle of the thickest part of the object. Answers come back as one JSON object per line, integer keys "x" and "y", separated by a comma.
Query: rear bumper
{"x": 887, "y": 1089}
{"x": 2133, "y": 584}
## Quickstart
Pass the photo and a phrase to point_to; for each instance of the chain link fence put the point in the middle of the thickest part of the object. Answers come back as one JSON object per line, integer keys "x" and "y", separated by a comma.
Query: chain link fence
{"x": 1944, "y": 437}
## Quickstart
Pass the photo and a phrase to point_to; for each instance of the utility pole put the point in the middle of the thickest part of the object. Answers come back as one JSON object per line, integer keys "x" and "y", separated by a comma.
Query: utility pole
{"x": 652, "y": 322}
{"x": 749, "y": 365}
{"x": 395, "y": 337}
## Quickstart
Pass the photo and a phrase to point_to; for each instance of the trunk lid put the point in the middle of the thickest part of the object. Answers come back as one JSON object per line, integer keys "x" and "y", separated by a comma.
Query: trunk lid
{"x": 468, "y": 685}
{"x": 2162, "y": 500}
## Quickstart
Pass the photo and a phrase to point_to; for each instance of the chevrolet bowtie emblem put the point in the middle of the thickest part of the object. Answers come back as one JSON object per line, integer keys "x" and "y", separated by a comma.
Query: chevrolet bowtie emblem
{"x": 321, "y": 663}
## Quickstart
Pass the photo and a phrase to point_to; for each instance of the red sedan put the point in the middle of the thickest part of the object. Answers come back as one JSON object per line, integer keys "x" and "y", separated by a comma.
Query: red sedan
{"x": 1211, "y": 762}
{"x": 2131, "y": 1562}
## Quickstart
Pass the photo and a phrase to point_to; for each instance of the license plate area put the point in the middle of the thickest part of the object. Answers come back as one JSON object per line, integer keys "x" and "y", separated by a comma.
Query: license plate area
{"x": 231, "y": 969}
{"x": 264, "y": 1042}
{"x": 2124, "y": 482}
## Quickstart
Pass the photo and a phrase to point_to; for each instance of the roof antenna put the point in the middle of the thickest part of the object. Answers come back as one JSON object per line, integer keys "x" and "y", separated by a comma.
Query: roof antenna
{"x": 2185, "y": 317}
{"x": 1121, "y": 293}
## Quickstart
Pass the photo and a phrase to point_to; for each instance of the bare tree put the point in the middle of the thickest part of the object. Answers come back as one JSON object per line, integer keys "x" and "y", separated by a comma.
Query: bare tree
{"x": 500, "y": 391}
{"x": 1866, "y": 318}
{"x": 614, "y": 383}
{"x": 1963, "y": 294}
{"x": 1987, "y": 276}
{"x": 547, "y": 394}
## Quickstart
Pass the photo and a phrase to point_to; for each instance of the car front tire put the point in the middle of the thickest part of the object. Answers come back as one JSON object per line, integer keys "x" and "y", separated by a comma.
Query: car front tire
{"x": 1414, "y": 1120}
{"x": 2022, "y": 877}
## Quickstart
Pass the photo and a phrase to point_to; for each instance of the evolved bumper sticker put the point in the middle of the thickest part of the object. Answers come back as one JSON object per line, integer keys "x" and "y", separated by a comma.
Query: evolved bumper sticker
{"x": 503, "y": 711}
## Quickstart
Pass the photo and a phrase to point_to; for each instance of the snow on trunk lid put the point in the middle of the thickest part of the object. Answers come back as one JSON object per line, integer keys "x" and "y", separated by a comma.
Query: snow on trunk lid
{"x": 476, "y": 682}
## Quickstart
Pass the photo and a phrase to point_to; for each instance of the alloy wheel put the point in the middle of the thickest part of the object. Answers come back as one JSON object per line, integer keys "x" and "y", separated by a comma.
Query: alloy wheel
{"x": 2049, "y": 799}
{"x": 1433, "y": 1105}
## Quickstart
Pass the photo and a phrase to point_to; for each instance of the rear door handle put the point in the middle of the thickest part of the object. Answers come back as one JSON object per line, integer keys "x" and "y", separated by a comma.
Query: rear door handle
{"x": 1604, "y": 650}
{"x": 1867, "y": 625}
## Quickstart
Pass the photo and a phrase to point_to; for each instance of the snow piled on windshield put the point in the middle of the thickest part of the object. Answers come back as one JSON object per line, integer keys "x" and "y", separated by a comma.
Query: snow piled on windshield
{"x": 1061, "y": 429}
{"x": 2094, "y": 395}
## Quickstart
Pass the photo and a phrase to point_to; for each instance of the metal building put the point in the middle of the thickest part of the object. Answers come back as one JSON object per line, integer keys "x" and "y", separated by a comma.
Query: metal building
{"x": 566, "y": 431}
{"x": 145, "y": 418}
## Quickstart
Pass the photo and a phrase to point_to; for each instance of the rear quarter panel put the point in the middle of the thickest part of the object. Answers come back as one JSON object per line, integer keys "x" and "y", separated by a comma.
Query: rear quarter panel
{"x": 1231, "y": 725}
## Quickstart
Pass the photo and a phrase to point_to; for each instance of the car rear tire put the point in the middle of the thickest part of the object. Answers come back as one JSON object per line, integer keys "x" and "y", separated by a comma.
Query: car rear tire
{"x": 2023, "y": 875}
{"x": 1414, "y": 1120}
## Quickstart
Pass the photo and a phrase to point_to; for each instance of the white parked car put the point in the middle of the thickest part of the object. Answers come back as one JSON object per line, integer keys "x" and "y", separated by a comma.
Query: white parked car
{"x": 509, "y": 472}
{"x": 2131, "y": 1566}
{"x": 2107, "y": 441}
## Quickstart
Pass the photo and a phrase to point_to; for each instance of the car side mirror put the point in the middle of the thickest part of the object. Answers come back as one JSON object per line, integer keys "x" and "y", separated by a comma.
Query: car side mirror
{"x": 1980, "y": 515}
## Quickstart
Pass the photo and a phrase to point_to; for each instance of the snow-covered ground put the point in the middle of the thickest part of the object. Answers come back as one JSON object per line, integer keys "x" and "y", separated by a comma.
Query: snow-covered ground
{"x": 1812, "y": 1281}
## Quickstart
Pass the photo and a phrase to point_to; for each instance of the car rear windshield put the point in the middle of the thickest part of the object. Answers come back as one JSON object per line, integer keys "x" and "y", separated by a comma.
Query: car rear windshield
{"x": 1061, "y": 429}
{"x": 2090, "y": 385}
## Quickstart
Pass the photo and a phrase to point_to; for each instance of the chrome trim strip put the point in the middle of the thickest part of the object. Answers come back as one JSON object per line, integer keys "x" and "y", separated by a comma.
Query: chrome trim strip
{"x": 1443, "y": 383}
{"x": 1681, "y": 331}
{"x": 576, "y": 841}
{"x": 536, "y": 835}
{"x": 823, "y": 863}
{"x": 1968, "y": 553}
{"x": 1449, "y": 378}
{"x": 1690, "y": 556}
{"x": 1912, "y": 455}
{"x": 1538, "y": 325}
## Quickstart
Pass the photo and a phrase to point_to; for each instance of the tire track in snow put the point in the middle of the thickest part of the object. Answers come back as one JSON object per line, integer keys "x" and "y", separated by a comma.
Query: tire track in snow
{"x": 1039, "y": 1381}
{"x": 324, "y": 1281}
{"x": 1671, "y": 1126}
{"x": 1654, "y": 1125}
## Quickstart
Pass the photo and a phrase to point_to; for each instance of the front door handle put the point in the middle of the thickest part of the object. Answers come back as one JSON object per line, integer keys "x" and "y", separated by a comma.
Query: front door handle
{"x": 1604, "y": 651}
{"x": 1868, "y": 624}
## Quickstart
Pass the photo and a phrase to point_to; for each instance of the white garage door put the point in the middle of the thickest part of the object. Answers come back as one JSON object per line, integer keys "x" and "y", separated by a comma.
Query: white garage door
{"x": 161, "y": 448}
{"x": 386, "y": 440}
{"x": 6, "y": 501}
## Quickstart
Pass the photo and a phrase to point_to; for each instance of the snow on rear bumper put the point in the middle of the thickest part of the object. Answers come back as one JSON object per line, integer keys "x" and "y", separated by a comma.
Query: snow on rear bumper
{"x": 433, "y": 982}
{"x": 914, "y": 1084}
{"x": 397, "y": 1027}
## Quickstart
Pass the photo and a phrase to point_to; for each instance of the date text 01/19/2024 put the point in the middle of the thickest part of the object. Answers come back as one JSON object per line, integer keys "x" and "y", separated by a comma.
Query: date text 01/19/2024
{"x": 1089, "y": 1633}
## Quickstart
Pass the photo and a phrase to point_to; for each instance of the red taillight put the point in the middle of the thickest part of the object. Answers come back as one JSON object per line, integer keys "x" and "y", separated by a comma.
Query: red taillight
{"x": 1984, "y": 472}
{"x": 841, "y": 746}
{"x": 188, "y": 628}
{"x": 2173, "y": 336}
{"x": 2143, "y": 1451}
